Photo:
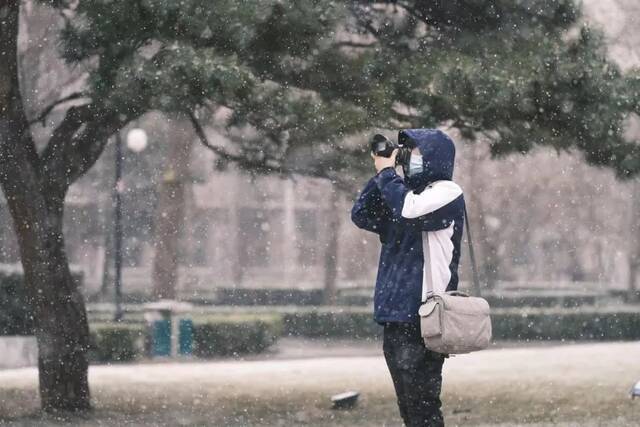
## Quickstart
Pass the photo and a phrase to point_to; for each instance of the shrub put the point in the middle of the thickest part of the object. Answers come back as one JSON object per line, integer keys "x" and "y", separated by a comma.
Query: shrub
{"x": 573, "y": 324}
{"x": 592, "y": 323}
{"x": 15, "y": 313}
{"x": 354, "y": 323}
{"x": 217, "y": 335}
{"x": 116, "y": 342}
{"x": 271, "y": 297}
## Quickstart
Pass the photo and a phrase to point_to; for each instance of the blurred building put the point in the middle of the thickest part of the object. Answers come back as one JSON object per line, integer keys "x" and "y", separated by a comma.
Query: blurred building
{"x": 241, "y": 231}
{"x": 543, "y": 218}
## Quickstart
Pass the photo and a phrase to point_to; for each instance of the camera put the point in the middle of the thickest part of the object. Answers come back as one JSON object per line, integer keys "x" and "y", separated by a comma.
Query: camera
{"x": 382, "y": 146}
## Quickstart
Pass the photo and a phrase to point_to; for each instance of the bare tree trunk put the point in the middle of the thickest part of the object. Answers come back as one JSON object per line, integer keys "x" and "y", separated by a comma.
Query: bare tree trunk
{"x": 169, "y": 224}
{"x": 488, "y": 260}
{"x": 57, "y": 305}
{"x": 634, "y": 252}
{"x": 35, "y": 197}
{"x": 633, "y": 279}
{"x": 331, "y": 253}
{"x": 62, "y": 331}
{"x": 107, "y": 277}
{"x": 170, "y": 217}
{"x": 58, "y": 308}
{"x": 235, "y": 243}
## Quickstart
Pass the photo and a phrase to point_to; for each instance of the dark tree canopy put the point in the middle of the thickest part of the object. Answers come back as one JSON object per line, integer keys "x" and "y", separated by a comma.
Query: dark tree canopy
{"x": 306, "y": 74}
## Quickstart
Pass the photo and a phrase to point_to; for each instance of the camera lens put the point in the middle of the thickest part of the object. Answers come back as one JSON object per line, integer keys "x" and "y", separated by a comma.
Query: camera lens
{"x": 381, "y": 145}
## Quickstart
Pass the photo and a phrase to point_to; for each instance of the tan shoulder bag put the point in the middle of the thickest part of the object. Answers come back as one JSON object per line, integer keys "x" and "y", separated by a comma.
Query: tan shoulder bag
{"x": 453, "y": 322}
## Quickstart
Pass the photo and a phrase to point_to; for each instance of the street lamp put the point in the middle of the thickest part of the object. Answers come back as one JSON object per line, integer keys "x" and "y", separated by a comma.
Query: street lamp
{"x": 136, "y": 142}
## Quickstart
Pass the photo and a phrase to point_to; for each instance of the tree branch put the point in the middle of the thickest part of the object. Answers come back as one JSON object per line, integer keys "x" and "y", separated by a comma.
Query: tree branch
{"x": 47, "y": 111}
{"x": 262, "y": 166}
{"x": 89, "y": 144}
{"x": 415, "y": 13}
{"x": 76, "y": 144}
{"x": 202, "y": 137}
{"x": 16, "y": 142}
{"x": 74, "y": 118}
{"x": 348, "y": 43}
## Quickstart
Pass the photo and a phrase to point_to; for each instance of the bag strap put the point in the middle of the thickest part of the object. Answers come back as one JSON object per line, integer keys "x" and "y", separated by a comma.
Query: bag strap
{"x": 427, "y": 288}
{"x": 472, "y": 256}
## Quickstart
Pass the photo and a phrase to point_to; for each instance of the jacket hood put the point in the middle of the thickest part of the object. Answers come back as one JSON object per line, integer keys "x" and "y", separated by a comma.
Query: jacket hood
{"x": 438, "y": 155}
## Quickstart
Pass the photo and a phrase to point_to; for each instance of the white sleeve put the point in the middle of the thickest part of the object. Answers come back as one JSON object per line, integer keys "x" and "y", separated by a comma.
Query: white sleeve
{"x": 435, "y": 196}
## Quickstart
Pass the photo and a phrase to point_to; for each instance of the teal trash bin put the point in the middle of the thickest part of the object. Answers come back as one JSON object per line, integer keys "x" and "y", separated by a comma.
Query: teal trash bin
{"x": 185, "y": 342}
{"x": 161, "y": 338}
{"x": 171, "y": 329}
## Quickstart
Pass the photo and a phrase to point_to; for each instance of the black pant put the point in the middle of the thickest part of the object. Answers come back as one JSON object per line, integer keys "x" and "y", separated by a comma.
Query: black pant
{"x": 416, "y": 373}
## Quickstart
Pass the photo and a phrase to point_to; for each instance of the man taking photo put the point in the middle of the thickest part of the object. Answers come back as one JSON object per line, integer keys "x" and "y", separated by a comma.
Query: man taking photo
{"x": 419, "y": 218}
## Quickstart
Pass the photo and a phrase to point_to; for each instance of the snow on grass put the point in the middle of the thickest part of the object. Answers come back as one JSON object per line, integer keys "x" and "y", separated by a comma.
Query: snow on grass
{"x": 583, "y": 384}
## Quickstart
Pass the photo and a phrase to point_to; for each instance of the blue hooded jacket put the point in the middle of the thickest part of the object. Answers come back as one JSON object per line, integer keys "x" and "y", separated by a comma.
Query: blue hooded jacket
{"x": 419, "y": 220}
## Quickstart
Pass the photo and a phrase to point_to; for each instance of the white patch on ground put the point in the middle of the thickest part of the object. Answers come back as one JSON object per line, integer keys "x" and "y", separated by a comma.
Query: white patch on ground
{"x": 533, "y": 384}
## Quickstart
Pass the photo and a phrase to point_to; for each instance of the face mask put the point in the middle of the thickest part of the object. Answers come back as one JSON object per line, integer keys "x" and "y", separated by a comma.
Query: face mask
{"x": 415, "y": 164}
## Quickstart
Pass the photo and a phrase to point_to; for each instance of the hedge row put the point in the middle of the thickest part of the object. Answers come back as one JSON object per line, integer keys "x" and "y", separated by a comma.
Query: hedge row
{"x": 212, "y": 336}
{"x": 15, "y": 314}
{"x": 240, "y": 334}
{"x": 235, "y": 335}
{"x": 272, "y": 297}
{"x": 567, "y": 324}
{"x": 354, "y": 323}
{"x": 116, "y": 342}
{"x": 508, "y": 324}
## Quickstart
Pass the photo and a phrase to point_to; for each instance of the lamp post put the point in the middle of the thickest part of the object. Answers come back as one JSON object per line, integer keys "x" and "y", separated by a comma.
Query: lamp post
{"x": 136, "y": 142}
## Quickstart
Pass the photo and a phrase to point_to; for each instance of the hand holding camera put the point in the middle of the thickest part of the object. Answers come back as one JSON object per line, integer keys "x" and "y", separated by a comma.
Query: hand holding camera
{"x": 387, "y": 153}
{"x": 381, "y": 162}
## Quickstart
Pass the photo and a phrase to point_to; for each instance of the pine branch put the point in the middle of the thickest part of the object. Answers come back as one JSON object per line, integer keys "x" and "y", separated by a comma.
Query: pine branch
{"x": 347, "y": 43}
{"x": 76, "y": 144}
{"x": 48, "y": 109}
{"x": 262, "y": 166}
{"x": 202, "y": 137}
{"x": 90, "y": 143}
{"x": 415, "y": 13}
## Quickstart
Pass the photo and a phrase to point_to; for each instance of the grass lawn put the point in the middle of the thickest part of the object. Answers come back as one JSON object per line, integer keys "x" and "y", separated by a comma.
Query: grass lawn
{"x": 567, "y": 385}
